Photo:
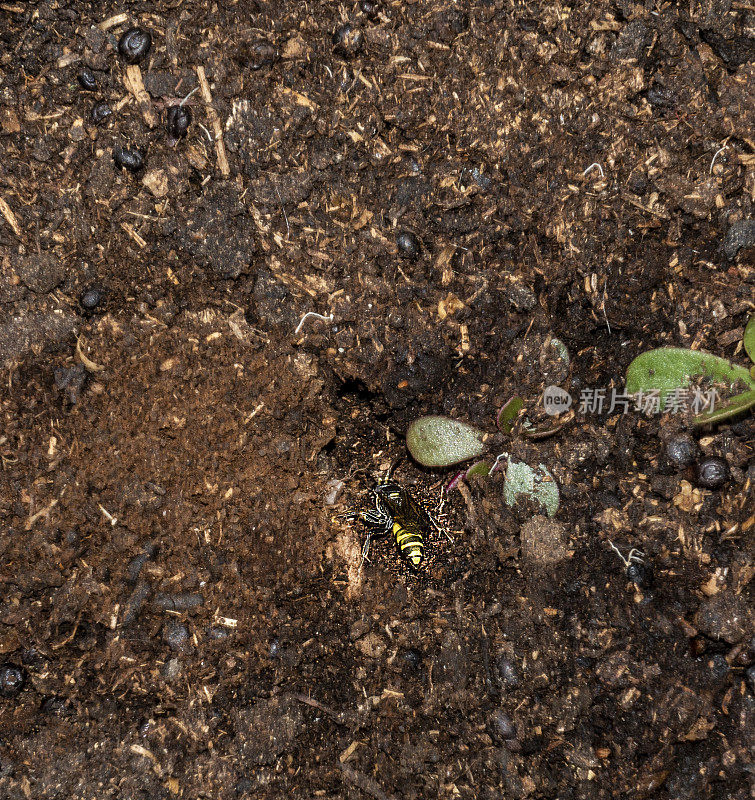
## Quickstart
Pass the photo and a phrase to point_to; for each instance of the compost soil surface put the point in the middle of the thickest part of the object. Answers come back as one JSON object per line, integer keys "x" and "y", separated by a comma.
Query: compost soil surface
{"x": 184, "y": 611}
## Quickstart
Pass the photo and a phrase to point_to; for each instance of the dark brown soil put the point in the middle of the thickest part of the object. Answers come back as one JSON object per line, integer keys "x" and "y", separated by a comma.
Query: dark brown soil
{"x": 183, "y": 612}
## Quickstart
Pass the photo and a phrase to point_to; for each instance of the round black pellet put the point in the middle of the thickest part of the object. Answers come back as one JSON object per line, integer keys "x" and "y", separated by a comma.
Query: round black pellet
{"x": 179, "y": 119}
{"x": 90, "y": 298}
{"x": 134, "y": 45}
{"x": 369, "y": 8}
{"x": 86, "y": 79}
{"x": 348, "y": 40}
{"x": 640, "y": 574}
{"x": 503, "y": 726}
{"x": 712, "y": 472}
{"x": 681, "y": 451}
{"x": 411, "y": 658}
{"x": 129, "y": 158}
{"x": 408, "y": 244}
{"x": 508, "y": 672}
{"x": 262, "y": 54}
{"x": 751, "y": 678}
{"x": 100, "y": 112}
{"x": 12, "y": 679}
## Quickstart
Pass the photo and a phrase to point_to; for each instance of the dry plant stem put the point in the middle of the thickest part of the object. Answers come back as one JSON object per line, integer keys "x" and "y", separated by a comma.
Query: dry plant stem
{"x": 10, "y": 216}
{"x": 113, "y": 22}
{"x": 217, "y": 129}
{"x": 135, "y": 85}
{"x": 365, "y": 783}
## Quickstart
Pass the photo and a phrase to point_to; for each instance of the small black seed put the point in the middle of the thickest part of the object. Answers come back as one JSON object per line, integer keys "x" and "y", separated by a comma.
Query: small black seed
{"x": 129, "y": 158}
{"x": 86, "y": 79}
{"x": 507, "y": 672}
{"x": 718, "y": 666}
{"x": 681, "y": 451}
{"x": 12, "y": 679}
{"x": 134, "y": 45}
{"x": 100, "y": 112}
{"x": 369, "y": 8}
{"x": 90, "y": 298}
{"x": 261, "y": 54}
{"x": 503, "y": 726}
{"x": 348, "y": 40}
{"x": 179, "y": 119}
{"x": 176, "y": 635}
{"x": 408, "y": 244}
{"x": 712, "y": 472}
{"x": 55, "y": 706}
{"x": 751, "y": 678}
{"x": 412, "y": 658}
{"x": 640, "y": 574}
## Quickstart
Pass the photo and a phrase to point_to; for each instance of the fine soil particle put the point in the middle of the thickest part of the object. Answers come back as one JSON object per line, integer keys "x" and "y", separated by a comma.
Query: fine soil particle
{"x": 369, "y": 212}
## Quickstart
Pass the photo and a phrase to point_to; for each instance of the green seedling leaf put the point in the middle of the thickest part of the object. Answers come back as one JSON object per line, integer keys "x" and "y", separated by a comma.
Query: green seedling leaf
{"x": 478, "y": 468}
{"x": 562, "y": 350}
{"x": 749, "y": 338}
{"x": 508, "y": 414}
{"x": 539, "y": 484}
{"x": 670, "y": 368}
{"x": 729, "y": 409}
{"x": 442, "y": 441}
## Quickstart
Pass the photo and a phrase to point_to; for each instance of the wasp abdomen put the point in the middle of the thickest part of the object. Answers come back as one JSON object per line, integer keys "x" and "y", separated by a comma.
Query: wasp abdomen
{"x": 410, "y": 543}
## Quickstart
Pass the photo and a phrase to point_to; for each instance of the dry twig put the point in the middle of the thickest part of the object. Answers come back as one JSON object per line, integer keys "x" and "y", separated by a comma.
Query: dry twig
{"x": 134, "y": 84}
{"x": 217, "y": 129}
{"x": 10, "y": 216}
{"x": 365, "y": 783}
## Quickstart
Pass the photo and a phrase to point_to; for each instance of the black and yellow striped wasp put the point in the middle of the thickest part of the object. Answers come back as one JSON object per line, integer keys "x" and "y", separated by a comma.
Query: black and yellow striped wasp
{"x": 399, "y": 513}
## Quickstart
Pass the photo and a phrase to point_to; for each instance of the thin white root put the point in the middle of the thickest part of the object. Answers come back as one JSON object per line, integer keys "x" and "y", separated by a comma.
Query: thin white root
{"x": 328, "y": 318}
{"x": 591, "y": 167}
{"x": 634, "y": 556}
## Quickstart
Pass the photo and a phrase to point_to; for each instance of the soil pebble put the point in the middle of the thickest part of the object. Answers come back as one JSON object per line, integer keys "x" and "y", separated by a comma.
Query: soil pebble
{"x": 521, "y": 297}
{"x": 725, "y": 616}
{"x": 502, "y": 726}
{"x": 41, "y": 272}
{"x": 259, "y": 54}
{"x": 176, "y": 636}
{"x": 544, "y": 541}
{"x": 267, "y": 729}
{"x": 183, "y": 601}
{"x": 71, "y": 380}
{"x": 741, "y": 234}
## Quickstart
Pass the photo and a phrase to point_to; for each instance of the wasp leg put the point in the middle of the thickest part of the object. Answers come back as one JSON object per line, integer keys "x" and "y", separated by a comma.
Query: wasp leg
{"x": 379, "y": 522}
